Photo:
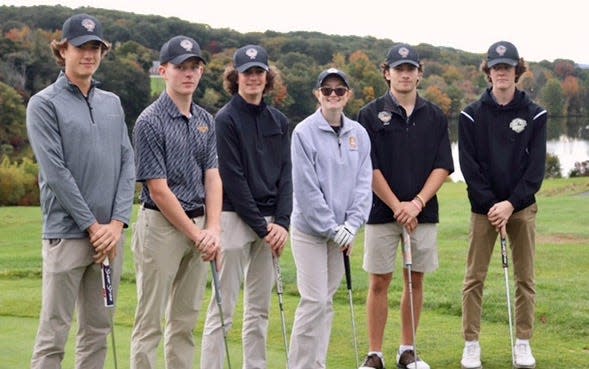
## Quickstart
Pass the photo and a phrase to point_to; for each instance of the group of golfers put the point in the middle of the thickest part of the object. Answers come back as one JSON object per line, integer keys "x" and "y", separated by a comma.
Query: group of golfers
{"x": 225, "y": 193}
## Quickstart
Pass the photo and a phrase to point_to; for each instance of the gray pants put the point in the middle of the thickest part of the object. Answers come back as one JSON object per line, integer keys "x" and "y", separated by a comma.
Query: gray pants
{"x": 246, "y": 258}
{"x": 70, "y": 278}
{"x": 320, "y": 268}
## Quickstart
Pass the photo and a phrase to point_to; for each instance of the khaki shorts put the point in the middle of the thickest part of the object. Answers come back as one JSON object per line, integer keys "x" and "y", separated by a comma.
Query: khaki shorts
{"x": 381, "y": 242}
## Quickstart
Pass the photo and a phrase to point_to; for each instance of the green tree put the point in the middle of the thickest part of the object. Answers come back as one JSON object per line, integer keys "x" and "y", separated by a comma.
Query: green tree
{"x": 553, "y": 97}
{"x": 13, "y": 132}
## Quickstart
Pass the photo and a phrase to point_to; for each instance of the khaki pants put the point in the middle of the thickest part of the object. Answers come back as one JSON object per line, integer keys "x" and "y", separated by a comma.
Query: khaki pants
{"x": 171, "y": 279}
{"x": 246, "y": 258}
{"x": 521, "y": 229}
{"x": 320, "y": 268}
{"x": 70, "y": 279}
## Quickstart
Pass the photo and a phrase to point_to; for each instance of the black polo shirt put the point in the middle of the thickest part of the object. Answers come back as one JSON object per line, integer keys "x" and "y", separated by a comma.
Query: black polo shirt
{"x": 406, "y": 149}
{"x": 172, "y": 146}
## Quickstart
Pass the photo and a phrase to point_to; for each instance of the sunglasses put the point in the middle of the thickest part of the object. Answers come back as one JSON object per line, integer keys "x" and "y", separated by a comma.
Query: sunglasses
{"x": 339, "y": 91}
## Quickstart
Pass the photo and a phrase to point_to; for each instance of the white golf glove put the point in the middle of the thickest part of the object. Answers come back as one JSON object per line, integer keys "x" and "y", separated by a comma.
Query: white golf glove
{"x": 344, "y": 235}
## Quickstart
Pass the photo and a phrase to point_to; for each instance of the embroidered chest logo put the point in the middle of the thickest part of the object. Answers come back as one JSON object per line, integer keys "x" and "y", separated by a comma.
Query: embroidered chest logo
{"x": 518, "y": 125}
{"x": 202, "y": 128}
{"x": 353, "y": 143}
{"x": 385, "y": 117}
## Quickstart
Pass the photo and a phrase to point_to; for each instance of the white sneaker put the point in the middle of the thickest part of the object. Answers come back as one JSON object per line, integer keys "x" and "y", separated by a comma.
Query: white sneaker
{"x": 471, "y": 356}
{"x": 406, "y": 360}
{"x": 523, "y": 355}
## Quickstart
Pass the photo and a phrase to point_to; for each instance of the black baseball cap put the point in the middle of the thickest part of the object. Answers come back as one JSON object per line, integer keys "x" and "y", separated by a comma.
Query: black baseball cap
{"x": 332, "y": 72}
{"x": 81, "y": 28}
{"x": 250, "y": 56}
{"x": 402, "y": 54}
{"x": 178, "y": 49}
{"x": 502, "y": 52}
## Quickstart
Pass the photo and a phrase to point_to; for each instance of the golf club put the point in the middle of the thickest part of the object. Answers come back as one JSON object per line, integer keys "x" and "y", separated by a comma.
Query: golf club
{"x": 280, "y": 292}
{"x": 408, "y": 260}
{"x": 505, "y": 263}
{"x": 349, "y": 285}
{"x": 109, "y": 301}
{"x": 220, "y": 307}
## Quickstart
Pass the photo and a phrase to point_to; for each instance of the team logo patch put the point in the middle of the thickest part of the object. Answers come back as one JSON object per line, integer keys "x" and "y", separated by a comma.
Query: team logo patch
{"x": 385, "y": 117}
{"x": 202, "y": 128}
{"x": 252, "y": 53}
{"x": 404, "y": 52}
{"x": 500, "y": 49}
{"x": 353, "y": 143}
{"x": 518, "y": 125}
{"x": 186, "y": 45}
{"x": 88, "y": 24}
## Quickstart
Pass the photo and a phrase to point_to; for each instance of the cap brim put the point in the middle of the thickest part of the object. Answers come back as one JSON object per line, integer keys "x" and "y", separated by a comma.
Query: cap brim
{"x": 184, "y": 57}
{"x": 399, "y": 62}
{"x": 494, "y": 62}
{"x": 320, "y": 82}
{"x": 81, "y": 40}
{"x": 246, "y": 66}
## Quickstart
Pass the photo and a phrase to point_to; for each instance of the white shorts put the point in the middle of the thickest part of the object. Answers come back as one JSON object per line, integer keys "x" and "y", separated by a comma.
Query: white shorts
{"x": 381, "y": 242}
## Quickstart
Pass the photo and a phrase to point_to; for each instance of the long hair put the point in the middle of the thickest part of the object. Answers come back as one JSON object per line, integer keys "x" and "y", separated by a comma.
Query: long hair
{"x": 57, "y": 46}
{"x": 230, "y": 77}
{"x": 520, "y": 69}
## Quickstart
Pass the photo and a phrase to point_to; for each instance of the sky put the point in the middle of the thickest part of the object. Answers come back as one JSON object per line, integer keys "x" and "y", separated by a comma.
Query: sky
{"x": 541, "y": 30}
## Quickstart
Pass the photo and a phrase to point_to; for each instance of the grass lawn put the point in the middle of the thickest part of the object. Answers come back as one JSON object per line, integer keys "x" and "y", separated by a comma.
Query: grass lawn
{"x": 562, "y": 317}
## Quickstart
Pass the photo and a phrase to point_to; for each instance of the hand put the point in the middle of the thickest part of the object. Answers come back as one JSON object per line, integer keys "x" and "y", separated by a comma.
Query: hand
{"x": 344, "y": 235}
{"x": 208, "y": 244}
{"x": 276, "y": 238}
{"x": 105, "y": 238}
{"x": 499, "y": 214}
{"x": 406, "y": 212}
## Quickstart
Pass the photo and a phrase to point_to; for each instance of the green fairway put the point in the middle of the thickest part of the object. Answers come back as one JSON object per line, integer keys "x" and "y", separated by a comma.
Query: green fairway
{"x": 561, "y": 337}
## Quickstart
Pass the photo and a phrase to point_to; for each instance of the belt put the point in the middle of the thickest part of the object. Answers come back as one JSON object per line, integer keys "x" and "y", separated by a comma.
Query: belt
{"x": 194, "y": 213}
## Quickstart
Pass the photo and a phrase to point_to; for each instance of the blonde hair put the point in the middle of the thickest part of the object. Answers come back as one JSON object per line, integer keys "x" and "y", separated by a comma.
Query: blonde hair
{"x": 57, "y": 46}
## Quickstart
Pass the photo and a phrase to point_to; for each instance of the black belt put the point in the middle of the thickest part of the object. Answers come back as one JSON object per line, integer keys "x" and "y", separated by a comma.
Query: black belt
{"x": 194, "y": 213}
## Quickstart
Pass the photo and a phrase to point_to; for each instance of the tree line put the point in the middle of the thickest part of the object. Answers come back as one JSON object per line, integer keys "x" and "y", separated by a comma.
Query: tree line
{"x": 452, "y": 78}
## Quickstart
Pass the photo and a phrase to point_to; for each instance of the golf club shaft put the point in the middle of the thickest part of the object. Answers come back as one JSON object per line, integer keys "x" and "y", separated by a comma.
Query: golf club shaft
{"x": 220, "y": 307}
{"x": 505, "y": 263}
{"x": 280, "y": 292}
{"x": 349, "y": 285}
{"x": 408, "y": 260}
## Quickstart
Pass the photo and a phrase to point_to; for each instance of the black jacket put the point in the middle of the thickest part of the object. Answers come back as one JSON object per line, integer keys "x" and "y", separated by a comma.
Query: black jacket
{"x": 502, "y": 151}
{"x": 253, "y": 145}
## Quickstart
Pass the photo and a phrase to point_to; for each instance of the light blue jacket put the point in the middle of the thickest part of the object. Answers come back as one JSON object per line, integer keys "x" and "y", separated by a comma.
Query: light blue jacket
{"x": 86, "y": 162}
{"x": 332, "y": 176}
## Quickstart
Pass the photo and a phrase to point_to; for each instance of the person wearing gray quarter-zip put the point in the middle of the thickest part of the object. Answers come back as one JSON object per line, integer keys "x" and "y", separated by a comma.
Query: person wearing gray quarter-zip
{"x": 86, "y": 176}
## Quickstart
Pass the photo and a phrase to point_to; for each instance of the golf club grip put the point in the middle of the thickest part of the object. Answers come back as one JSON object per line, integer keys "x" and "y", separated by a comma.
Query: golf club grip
{"x": 216, "y": 281}
{"x": 107, "y": 290}
{"x": 348, "y": 271}
{"x": 504, "y": 259}
{"x": 407, "y": 247}
{"x": 278, "y": 272}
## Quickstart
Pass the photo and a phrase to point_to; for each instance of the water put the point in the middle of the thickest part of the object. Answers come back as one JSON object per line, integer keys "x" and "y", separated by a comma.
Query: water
{"x": 568, "y": 139}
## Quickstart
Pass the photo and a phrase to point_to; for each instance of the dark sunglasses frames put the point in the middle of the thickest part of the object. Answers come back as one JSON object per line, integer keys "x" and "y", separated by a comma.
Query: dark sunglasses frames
{"x": 339, "y": 91}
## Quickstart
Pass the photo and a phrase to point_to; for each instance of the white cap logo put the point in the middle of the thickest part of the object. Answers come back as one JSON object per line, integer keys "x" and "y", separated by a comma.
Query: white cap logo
{"x": 404, "y": 52}
{"x": 186, "y": 45}
{"x": 501, "y": 50}
{"x": 252, "y": 53}
{"x": 88, "y": 24}
{"x": 332, "y": 70}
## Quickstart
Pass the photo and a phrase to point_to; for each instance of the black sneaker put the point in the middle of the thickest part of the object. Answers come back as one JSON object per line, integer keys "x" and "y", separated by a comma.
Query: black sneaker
{"x": 406, "y": 360}
{"x": 373, "y": 361}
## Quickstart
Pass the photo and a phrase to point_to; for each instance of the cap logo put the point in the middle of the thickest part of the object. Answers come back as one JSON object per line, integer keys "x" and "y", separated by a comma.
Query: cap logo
{"x": 186, "y": 45}
{"x": 501, "y": 50}
{"x": 332, "y": 70}
{"x": 252, "y": 53}
{"x": 88, "y": 24}
{"x": 404, "y": 52}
